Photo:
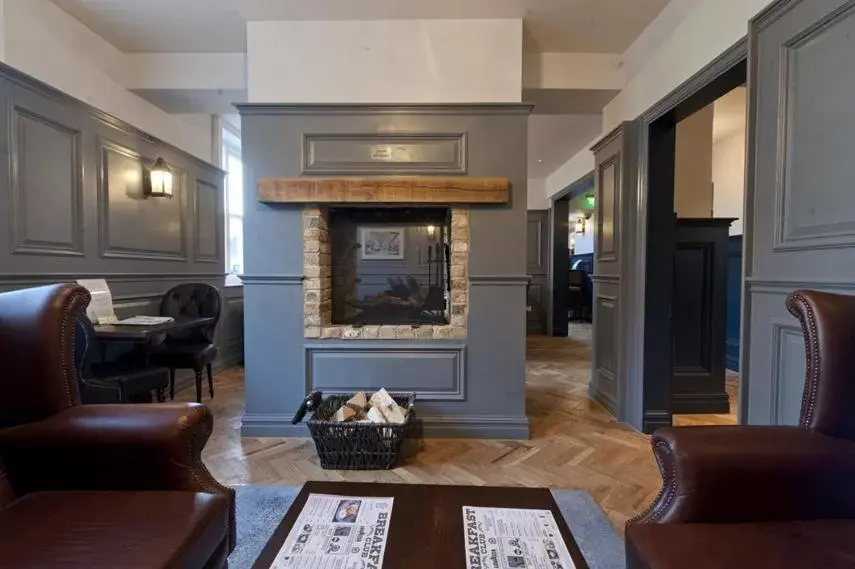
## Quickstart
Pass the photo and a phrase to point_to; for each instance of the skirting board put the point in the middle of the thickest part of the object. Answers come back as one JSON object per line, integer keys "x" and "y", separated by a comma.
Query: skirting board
{"x": 428, "y": 426}
{"x": 655, "y": 420}
{"x": 474, "y": 427}
{"x": 700, "y": 403}
{"x": 276, "y": 426}
{"x": 603, "y": 398}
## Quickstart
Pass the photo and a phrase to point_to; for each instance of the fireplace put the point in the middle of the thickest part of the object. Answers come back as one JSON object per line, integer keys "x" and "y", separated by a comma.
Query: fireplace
{"x": 315, "y": 168}
{"x": 390, "y": 265}
{"x": 381, "y": 272}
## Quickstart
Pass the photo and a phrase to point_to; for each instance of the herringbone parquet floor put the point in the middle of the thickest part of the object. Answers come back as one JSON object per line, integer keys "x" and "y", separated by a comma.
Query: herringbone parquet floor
{"x": 574, "y": 442}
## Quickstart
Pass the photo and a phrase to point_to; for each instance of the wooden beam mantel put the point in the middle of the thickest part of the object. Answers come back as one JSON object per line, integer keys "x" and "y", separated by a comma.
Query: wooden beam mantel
{"x": 385, "y": 190}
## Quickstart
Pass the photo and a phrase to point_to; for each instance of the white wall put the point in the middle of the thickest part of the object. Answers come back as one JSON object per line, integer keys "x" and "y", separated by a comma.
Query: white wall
{"x": 43, "y": 41}
{"x": 574, "y": 169}
{"x": 683, "y": 39}
{"x": 584, "y": 241}
{"x": 693, "y": 156}
{"x": 389, "y": 61}
{"x": 729, "y": 179}
{"x": 573, "y": 71}
{"x": 537, "y": 194}
{"x": 226, "y": 71}
{"x": 706, "y": 32}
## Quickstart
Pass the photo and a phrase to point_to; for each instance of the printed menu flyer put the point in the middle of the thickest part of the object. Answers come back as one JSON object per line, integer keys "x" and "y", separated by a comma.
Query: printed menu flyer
{"x": 337, "y": 532}
{"x": 505, "y": 538}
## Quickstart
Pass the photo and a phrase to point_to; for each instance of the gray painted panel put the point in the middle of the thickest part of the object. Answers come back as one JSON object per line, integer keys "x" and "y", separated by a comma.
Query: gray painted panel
{"x": 815, "y": 215}
{"x": 433, "y": 373}
{"x": 788, "y": 373}
{"x": 537, "y": 257}
{"x": 384, "y": 153}
{"x": 495, "y": 380}
{"x": 207, "y": 237}
{"x": 132, "y": 224}
{"x": 604, "y": 383}
{"x": 272, "y": 315}
{"x": 606, "y": 332}
{"x": 53, "y": 143}
{"x": 802, "y": 231}
{"x": 46, "y": 202}
{"x": 614, "y": 177}
{"x": 608, "y": 213}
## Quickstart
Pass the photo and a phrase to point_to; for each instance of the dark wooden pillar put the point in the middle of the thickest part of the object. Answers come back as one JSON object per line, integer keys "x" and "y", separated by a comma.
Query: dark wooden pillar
{"x": 560, "y": 266}
{"x": 699, "y": 316}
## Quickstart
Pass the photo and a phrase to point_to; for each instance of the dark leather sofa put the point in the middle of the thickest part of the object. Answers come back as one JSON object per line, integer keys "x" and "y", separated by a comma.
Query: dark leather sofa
{"x": 764, "y": 497}
{"x": 96, "y": 486}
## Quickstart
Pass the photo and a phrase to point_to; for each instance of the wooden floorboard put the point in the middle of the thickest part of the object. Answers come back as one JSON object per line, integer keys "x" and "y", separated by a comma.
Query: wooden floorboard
{"x": 574, "y": 442}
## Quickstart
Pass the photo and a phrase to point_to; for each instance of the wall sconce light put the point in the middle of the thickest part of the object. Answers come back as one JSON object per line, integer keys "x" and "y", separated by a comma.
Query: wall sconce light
{"x": 580, "y": 225}
{"x": 160, "y": 178}
{"x": 431, "y": 232}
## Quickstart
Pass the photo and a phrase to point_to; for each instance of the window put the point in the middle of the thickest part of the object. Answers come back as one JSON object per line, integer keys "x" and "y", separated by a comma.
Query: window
{"x": 233, "y": 204}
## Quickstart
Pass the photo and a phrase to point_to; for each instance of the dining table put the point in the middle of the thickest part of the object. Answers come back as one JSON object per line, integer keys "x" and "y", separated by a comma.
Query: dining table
{"x": 144, "y": 338}
{"x": 147, "y": 334}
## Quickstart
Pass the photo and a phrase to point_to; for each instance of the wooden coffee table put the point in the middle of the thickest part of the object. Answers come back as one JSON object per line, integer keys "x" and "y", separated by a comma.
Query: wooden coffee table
{"x": 427, "y": 521}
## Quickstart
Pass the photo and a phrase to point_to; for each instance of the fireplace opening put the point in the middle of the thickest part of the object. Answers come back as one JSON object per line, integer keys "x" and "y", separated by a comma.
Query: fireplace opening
{"x": 390, "y": 265}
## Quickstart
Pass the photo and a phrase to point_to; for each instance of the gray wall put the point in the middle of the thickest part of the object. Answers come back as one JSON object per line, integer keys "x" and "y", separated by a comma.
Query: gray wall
{"x": 537, "y": 255}
{"x": 71, "y": 206}
{"x": 800, "y": 216}
{"x": 472, "y": 387}
{"x": 614, "y": 175}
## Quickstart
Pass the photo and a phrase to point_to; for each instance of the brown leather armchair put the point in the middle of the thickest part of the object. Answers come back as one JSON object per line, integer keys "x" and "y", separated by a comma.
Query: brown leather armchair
{"x": 97, "y": 485}
{"x": 759, "y": 497}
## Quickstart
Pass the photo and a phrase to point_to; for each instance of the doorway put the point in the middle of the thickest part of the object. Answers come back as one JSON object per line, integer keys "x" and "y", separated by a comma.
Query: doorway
{"x": 710, "y": 185}
{"x": 693, "y": 241}
{"x": 572, "y": 229}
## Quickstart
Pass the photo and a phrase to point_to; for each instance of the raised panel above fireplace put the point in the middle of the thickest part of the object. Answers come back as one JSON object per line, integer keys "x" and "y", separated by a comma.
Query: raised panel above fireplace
{"x": 383, "y": 153}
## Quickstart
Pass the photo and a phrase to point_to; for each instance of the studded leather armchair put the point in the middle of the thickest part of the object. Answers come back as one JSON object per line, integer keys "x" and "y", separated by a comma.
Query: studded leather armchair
{"x": 68, "y": 471}
{"x": 765, "y": 496}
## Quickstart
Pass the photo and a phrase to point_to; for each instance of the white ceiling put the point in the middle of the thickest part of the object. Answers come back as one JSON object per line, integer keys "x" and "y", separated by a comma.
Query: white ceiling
{"x": 592, "y": 26}
{"x": 190, "y": 101}
{"x": 552, "y": 139}
{"x": 568, "y": 101}
{"x": 729, "y": 115}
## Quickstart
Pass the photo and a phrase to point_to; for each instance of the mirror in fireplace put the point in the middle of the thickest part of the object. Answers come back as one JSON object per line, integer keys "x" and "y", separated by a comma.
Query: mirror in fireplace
{"x": 390, "y": 265}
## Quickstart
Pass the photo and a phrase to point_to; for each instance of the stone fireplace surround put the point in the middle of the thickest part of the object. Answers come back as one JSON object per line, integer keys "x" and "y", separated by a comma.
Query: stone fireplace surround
{"x": 317, "y": 286}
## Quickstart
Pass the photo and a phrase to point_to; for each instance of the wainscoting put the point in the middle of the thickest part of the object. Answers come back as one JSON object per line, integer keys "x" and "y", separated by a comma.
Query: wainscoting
{"x": 72, "y": 206}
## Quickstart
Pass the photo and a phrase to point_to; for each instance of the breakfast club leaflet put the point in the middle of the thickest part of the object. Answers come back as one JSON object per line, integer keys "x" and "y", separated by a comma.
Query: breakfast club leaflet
{"x": 337, "y": 532}
{"x": 504, "y": 538}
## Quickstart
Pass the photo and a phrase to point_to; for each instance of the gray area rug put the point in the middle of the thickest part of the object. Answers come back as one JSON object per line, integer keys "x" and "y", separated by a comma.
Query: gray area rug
{"x": 261, "y": 508}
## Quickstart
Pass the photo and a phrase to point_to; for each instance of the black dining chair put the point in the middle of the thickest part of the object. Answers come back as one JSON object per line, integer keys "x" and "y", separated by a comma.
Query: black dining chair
{"x": 191, "y": 348}
{"x": 126, "y": 379}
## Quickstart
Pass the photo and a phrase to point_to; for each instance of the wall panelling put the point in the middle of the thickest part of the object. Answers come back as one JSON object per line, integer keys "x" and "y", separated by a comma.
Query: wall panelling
{"x": 72, "y": 206}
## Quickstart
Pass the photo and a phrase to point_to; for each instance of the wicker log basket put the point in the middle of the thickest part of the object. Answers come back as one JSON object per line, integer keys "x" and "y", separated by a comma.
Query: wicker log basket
{"x": 355, "y": 445}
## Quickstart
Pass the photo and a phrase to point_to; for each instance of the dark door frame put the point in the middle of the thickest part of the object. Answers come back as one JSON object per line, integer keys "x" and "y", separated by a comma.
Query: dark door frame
{"x": 560, "y": 238}
{"x": 655, "y": 223}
